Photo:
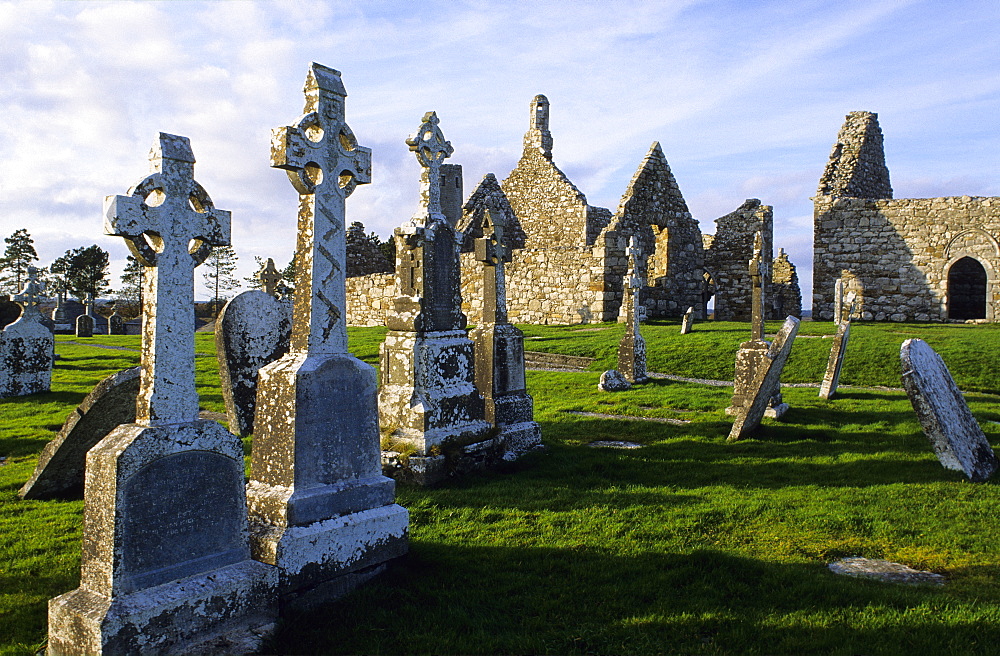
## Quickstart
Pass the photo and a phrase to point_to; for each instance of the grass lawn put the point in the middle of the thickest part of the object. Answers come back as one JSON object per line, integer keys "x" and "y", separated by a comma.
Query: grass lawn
{"x": 689, "y": 545}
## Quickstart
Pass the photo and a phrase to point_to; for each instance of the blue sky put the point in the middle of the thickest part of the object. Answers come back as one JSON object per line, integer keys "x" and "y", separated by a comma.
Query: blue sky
{"x": 744, "y": 97}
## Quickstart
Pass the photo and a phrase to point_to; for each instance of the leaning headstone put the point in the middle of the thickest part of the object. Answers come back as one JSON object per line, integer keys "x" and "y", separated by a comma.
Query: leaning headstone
{"x": 499, "y": 348}
{"x": 253, "y": 330}
{"x": 767, "y": 377}
{"x": 613, "y": 381}
{"x": 85, "y": 322}
{"x": 632, "y": 347}
{"x": 61, "y": 464}
{"x": 166, "y": 564}
{"x": 687, "y": 321}
{"x": 320, "y": 509}
{"x": 27, "y": 348}
{"x": 831, "y": 379}
{"x": 428, "y": 401}
{"x": 955, "y": 435}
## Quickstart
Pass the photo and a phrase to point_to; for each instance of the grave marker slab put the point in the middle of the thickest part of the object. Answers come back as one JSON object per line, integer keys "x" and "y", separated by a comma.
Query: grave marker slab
{"x": 838, "y": 349}
{"x": 27, "y": 347}
{"x": 61, "y": 464}
{"x": 767, "y": 377}
{"x": 166, "y": 562}
{"x": 955, "y": 435}
{"x": 85, "y": 322}
{"x": 687, "y": 321}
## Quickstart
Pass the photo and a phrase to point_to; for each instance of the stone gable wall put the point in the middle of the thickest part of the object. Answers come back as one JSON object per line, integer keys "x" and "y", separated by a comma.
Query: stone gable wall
{"x": 785, "y": 292}
{"x": 729, "y": 255}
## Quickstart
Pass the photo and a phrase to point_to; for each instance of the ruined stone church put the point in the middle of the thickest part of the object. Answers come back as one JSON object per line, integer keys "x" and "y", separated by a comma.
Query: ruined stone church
{"x": 569, "y": 257}
{"x": 906, "y": 259}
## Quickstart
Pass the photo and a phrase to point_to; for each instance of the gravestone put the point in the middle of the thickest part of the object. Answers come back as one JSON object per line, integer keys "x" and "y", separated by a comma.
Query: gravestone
{"x": 838, "y": 301}
{"x": 61, "y": 464}
{"x": 253, "y": 330}
{"x": 838, "y": 349}
{"x": 767, "y": 377}
{"x": 632, "y": 347}
{"x": 687, "y": 321}
{"x": 320, "y": 509}
{"x": 428, "y": 400}
{"x": 60, "y": 322}
{"x": 613, "y": 381}
{"x": 166, "y": 562}
{"x": 85, "y": 322}
{"x": 116, "y": 323}
{"x": 499, "y": 348}
{"x": 955, "y": 435}
{"x": 27, "y": 348}
{"x": 754, "y": 353}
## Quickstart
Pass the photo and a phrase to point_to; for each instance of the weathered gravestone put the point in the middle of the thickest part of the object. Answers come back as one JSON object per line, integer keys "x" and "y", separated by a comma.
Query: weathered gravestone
{"x": 612, "y": 380}
{"x": 754, "y": 353}
{"x": 828, "y": 388}
{"x": 253, "y": 330}
{"x": 26, "y": 346}
{"x": 166, "y": 562}
{"x": 687, "y": 321}
{"x": 838, "y": 301}
{"x": 632, "y": 347}
{"x": 85, "y": 322}
{"x": 320, "y": 509}
{"x": 61, "y": 464}
{"x": 428, "y": 400}
{"x": 767, "y": 376}
{"x": 116, "y": 323}
{"x": 499, "y": 347}
{"x": 955, "y": 435}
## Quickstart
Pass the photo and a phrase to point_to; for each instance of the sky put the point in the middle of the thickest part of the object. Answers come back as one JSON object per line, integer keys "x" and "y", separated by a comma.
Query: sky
{"x": 745, "y": 98}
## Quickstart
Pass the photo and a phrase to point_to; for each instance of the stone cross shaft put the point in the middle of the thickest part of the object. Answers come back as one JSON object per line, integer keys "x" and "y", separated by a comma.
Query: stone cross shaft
{"x": 758, "y": 273}
{"x": 88, "y": 304}
{"x": 432, "y": 149}
{"x": 324, "y": 163}
{"x": 30, "y": 296}
{"x": 632, "y": 284}
{"x": 269, "y": 278}
{"x": 169, "y": 223}
{"x": 493, "y": 253}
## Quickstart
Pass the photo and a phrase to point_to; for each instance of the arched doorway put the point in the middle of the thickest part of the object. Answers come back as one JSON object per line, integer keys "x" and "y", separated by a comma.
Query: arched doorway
{"x": 967, "y": 290}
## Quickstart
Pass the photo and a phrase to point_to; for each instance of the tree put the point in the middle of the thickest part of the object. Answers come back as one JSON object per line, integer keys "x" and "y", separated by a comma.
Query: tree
{"x": 220, "y": 268}
{"x": 85, "y": 271}
{"x": 130, "y": 294}
{"x": 17, "y": 257}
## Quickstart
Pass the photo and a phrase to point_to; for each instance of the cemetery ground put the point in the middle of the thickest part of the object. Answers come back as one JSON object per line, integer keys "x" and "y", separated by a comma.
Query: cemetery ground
{"x": 687, "y": 545}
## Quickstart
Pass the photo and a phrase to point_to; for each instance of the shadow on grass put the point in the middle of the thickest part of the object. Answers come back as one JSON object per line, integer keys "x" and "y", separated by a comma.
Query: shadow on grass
{"x": 475, "y": 600}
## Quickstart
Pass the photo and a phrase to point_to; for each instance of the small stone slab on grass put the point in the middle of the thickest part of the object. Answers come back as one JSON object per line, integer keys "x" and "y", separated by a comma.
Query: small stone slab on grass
{"x": 884, "y": 570}
{"x": 614, "y": 444}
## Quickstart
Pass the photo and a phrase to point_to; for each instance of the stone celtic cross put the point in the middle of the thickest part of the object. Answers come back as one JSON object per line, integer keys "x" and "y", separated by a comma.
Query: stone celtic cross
{"x": 432, "y": 149}
{"x": 30, "y": 296}
{"x": 493, "y": 253}
{"x": 324, "y": 163}
{"x": 269, "y": 278}
{"x": 170, "y": 224}
{"x": 88, "y": 304}
{"x": 758, "y": 274}
{"x": 633, "y": 253}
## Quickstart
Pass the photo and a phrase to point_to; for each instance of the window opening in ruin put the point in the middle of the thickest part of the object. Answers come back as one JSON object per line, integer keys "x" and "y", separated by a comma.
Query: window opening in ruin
{"x": 708, "y": 294}
{"x": 967, "y": 290}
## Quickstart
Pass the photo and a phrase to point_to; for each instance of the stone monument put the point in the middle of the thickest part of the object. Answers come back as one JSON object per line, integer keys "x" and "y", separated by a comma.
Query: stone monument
{"x": 828, "y": 388}
{"x": 85, "y": 322}
{"x": 838, "y": 301}
{"x": 632, "y": 347}
{"x": 428, "y": 402}
{"x": 253, "y": 330}
{"x": 27, "y": 347}
{"x": 767, "y": 376}
{"x": 116, "y": 323}
{"x": 499, "y": 348}
{"x": 59, "y": 321}
{"x": 687, "y": 321}
{"x": 320, "y": 509}
{"x": 955, "y": 435}
{"x": 166, "y": 562}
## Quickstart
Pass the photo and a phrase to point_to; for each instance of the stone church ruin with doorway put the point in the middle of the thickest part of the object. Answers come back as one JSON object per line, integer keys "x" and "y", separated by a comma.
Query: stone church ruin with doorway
{"x": 569, "y": 258}
{"x": 907, "y": 259}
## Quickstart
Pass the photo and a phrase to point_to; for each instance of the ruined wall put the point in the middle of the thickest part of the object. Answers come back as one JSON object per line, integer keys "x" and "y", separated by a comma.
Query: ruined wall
{"x": 728, "y": 257}
{"x": 786, "y": 297}
{"x": 896, "y": 253}
{"x": 369, "y": 298}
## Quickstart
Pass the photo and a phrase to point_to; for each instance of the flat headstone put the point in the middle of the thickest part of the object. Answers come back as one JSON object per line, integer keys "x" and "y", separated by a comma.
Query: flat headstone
{"x": 884, "y": 570}
{"x": 955, "y": 435}
{"x": 837, "y": 350}
{"x": 613, "y": 381}
{"x": 253, "y": 330}
{"x": 767, "y": 377}
{"x": 61, "y": 465}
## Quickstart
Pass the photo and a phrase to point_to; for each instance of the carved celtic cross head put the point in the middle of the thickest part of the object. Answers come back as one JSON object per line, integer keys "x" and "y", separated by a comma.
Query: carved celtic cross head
{"x": 30, "y": 296}
{"x": 432, "y": 149}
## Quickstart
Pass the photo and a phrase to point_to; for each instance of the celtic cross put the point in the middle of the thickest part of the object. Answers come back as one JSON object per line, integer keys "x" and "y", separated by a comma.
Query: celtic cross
{"x": 30, "y": 297}
{"x": 170, "y": 224}
{"x": 493, "y": 253}
{"x": 269, "y": 278}
{"x": 324, "y": 163}
{"x": 632, "y": 285}
{"x": 432, "y": 149}
{"x": 758, "y": 273}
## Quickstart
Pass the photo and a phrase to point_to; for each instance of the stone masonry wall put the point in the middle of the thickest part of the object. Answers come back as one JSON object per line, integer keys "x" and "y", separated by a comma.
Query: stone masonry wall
{"x": 369, "y": 298}
{"x": 729, "y": 255}
{"x": 785, "y": 293}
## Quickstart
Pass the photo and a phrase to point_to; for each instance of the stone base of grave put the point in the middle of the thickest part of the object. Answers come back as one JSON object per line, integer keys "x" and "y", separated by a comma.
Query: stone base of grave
{"x": 776, "y": 411}
{"x": 228, "y": 610}
{"x": 428, "y": 400}
{"x": 632, "y": 358}
{"x": 519, "y": 438}
{"x": 328, "y": 558}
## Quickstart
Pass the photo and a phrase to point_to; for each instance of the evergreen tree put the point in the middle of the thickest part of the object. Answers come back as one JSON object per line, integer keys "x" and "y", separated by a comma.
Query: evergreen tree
{"x": 220, "y": 268}
{"x": 17, "y": 257}
{"x": 130, "y": 294}
{"x": 85, "y": 270}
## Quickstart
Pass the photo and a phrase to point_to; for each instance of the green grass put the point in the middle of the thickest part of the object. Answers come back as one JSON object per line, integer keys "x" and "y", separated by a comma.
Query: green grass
{"x": 689, "y": 545}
